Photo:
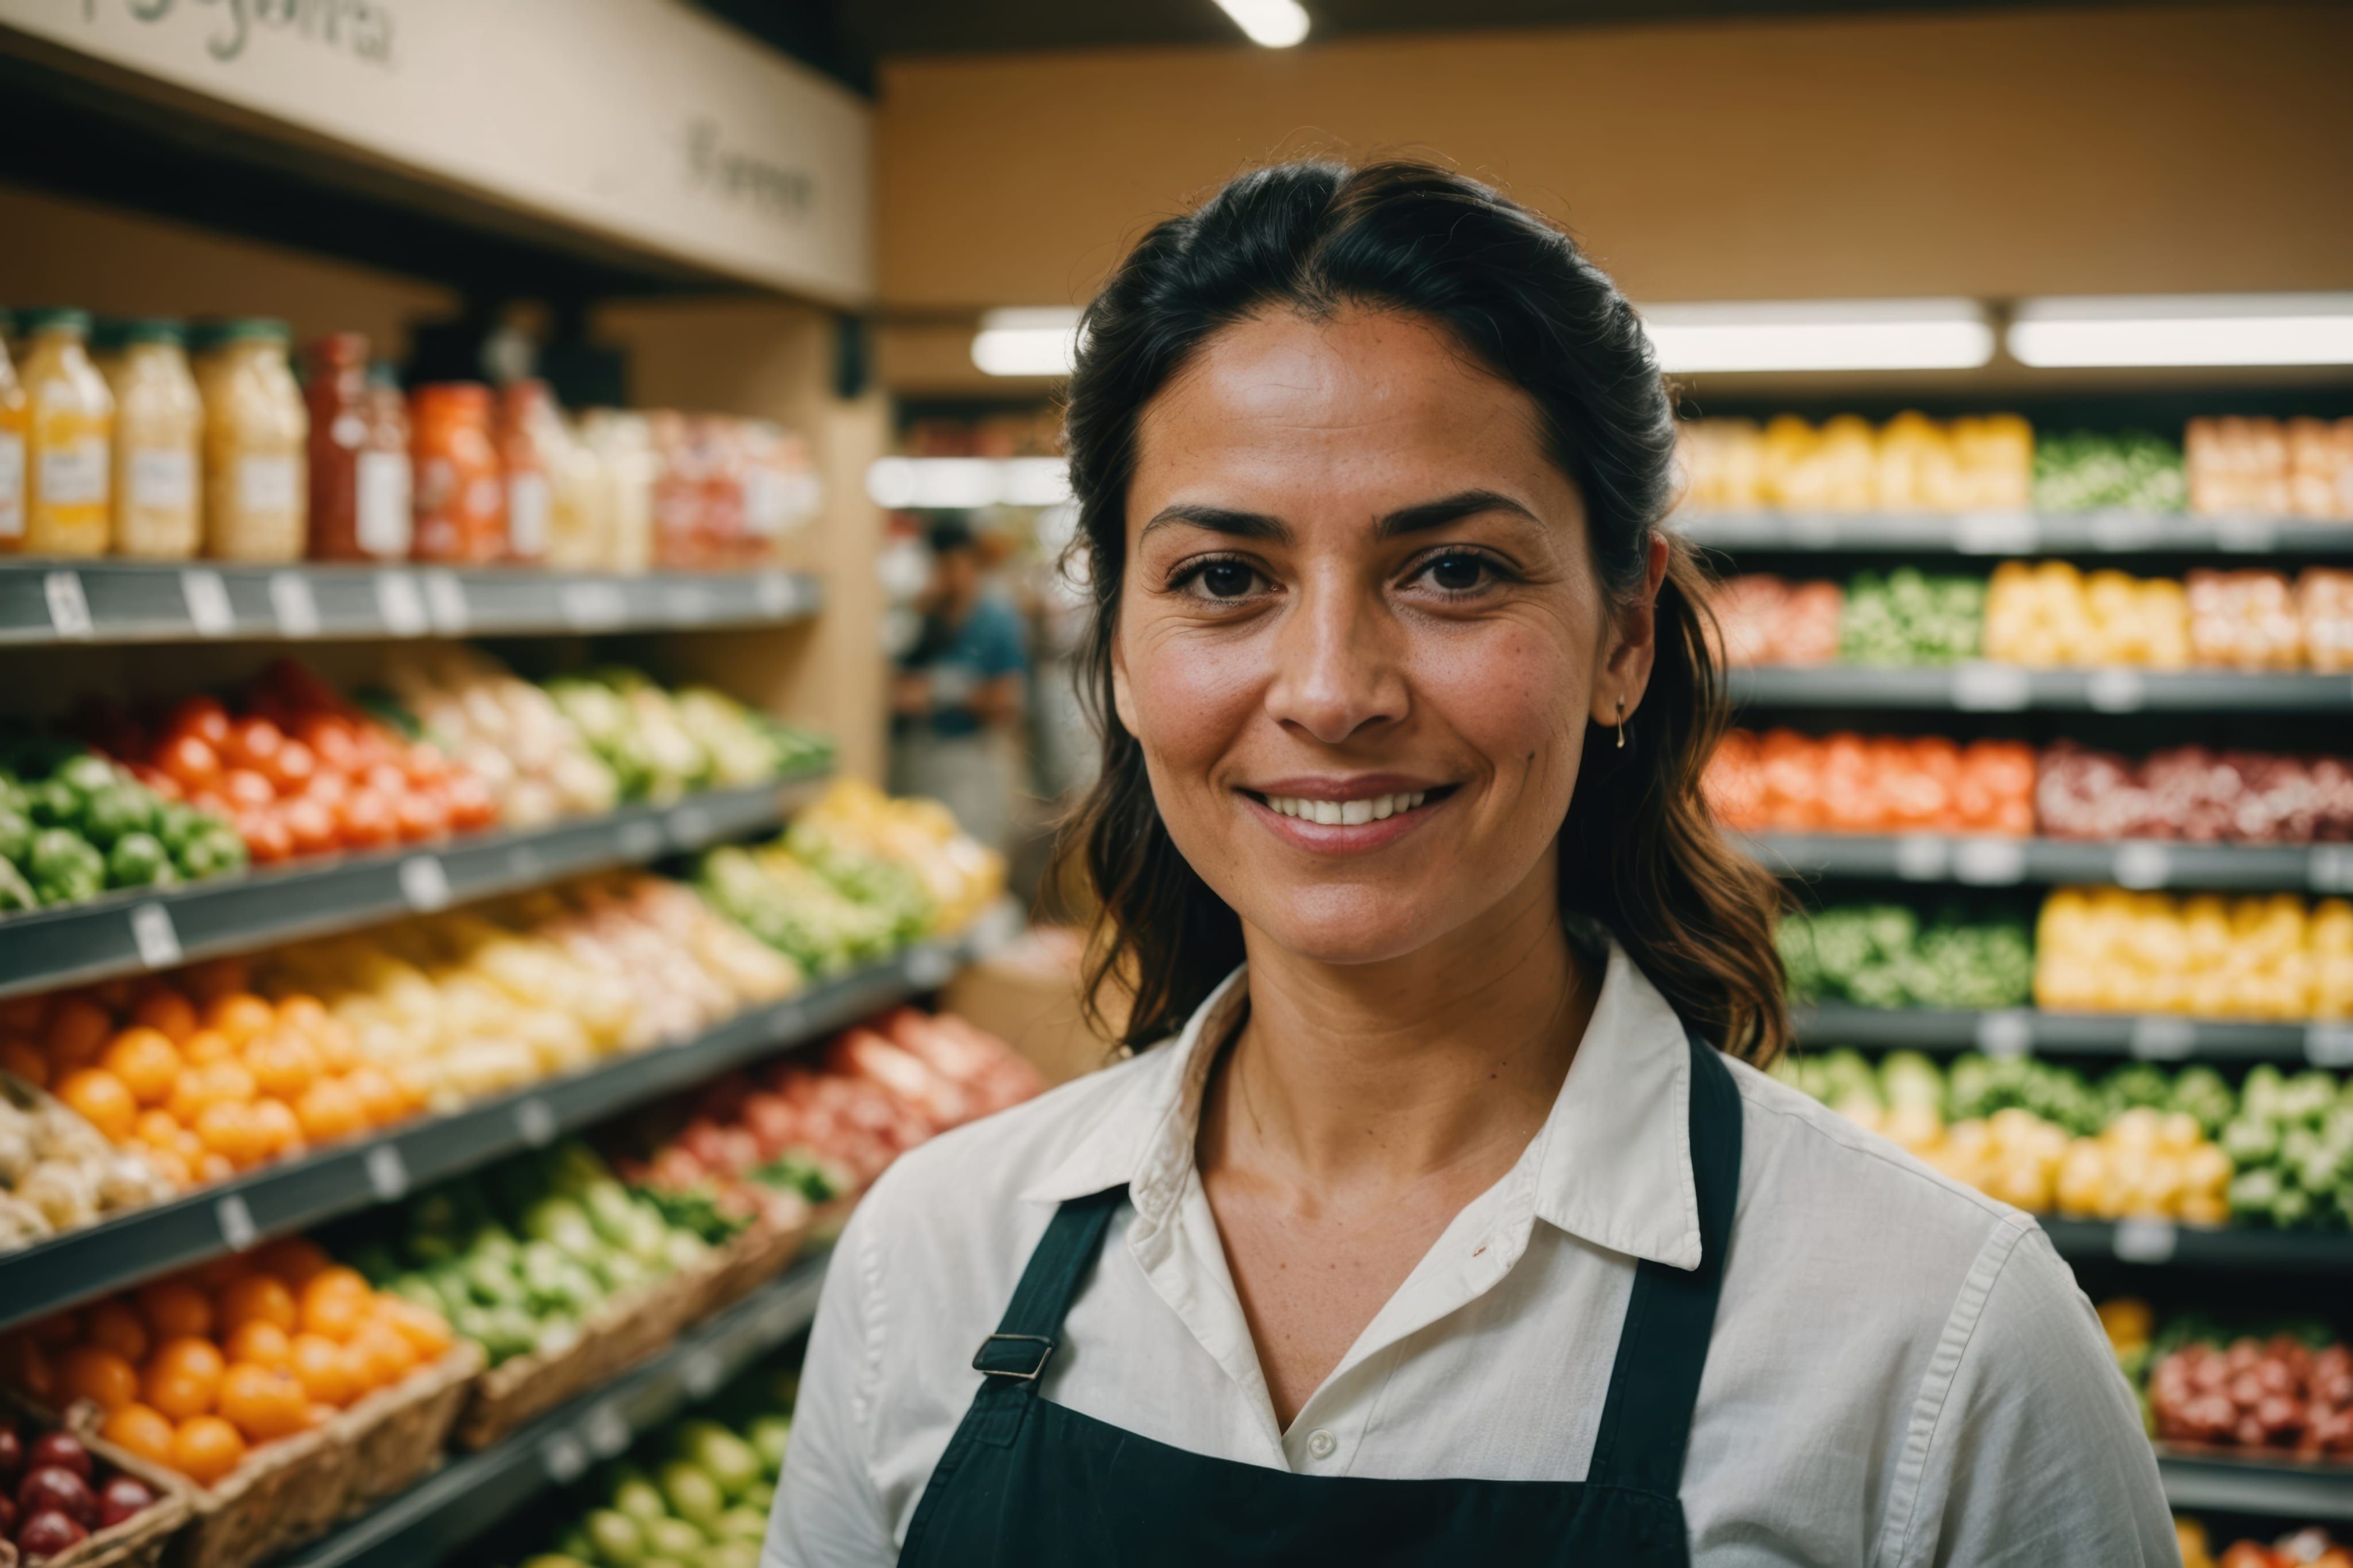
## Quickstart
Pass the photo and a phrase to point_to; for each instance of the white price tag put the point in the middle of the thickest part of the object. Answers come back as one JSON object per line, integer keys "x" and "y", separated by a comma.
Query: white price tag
{"x": 523, "y": 864}
{"x": 208, "y": 605}
{"x": 2329, "y": 1045}
{"x": 1817, "y": 530}
{"x": 1990, "y": 689}
{"x": 400, "y": 606}
{"x": 2246, "y": 536}
{"x": 69, "y": 608}
{"x": 639, "y": 838}
{"x": 387, "y": 1173}
{"x": 534, "y": 1122}
{"x": 152, "y": 933}
{"x": 690, "y": 827}
{"x": 291, "y": 603}
{"x": 1989, "y": 862}
{"x": 2117, "y": 690}
{"x": 237, "y": 1230}
{"x": 563, "y": 1458}
{"x": 2123, "y": 529}
{"x": 2330, "y": 869}
{"x": 1922, "y": 858}
{"x": 702, "y": 1372}
{"x": 424, "y": 885}
{"x": 445, "y": 601}
{"x": 1995, "y": 534}
{"x": 607, "y": 1430}
{"x": 2157, "y": 1037}
{"x": 592, "y": 605}
{"x": 773, "y": 592}
{"x": 2146, "y": 1240}
{"x": 2007, "y": 1033}
{"x": 993, "y": 928}
{"x": 929, "y": 967}
{"x": 2141, "y": 864}
{"x": 686, "y": 603}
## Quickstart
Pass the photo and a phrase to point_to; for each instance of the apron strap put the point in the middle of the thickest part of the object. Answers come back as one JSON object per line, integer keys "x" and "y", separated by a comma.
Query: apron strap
{"x": 1647, "y": 1416}
{"x": 1013, "y": 1358}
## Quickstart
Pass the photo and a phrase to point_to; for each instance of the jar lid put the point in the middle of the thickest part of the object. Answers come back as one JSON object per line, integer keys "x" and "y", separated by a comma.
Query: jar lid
{"x": 7, "y": 322}
{"x": 383, "y": 373}
{"x": 106, "y": 334}
{"x": 249, "y": 328}
{"x": 153, "y": 329}
{"x": 57, "y": 318}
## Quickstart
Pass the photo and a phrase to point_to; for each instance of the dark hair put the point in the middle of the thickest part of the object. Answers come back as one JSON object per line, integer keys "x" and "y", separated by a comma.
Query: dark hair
{"x": 1639, "y": 852}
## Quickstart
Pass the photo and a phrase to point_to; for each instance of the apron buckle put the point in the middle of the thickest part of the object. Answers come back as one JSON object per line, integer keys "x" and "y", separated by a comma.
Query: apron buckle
{"x": 1020, "y": 1365}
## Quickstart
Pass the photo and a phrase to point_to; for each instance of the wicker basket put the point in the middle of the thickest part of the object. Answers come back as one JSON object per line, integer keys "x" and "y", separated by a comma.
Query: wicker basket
{"x": 138, "y": 1542}
{"x": 295, "y": 1490}
{"x": 755, "y": 1255}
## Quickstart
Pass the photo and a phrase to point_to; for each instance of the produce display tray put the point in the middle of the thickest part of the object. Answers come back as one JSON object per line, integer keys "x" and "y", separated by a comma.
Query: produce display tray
{"x": 138, "y": 930}
{"x": 471, "y": 1494}
{"x": 2016, "y": 1031}
{"x": 57, "y": 601}
{"x": 298, "y": 1194}
{"x": 2159, "y": 1242}
{"x": 2279, "y": 1486}
{"x": 2013, "y": 532}
{"x": 1987, "y": 861}
{"x": 2010, "y": 688}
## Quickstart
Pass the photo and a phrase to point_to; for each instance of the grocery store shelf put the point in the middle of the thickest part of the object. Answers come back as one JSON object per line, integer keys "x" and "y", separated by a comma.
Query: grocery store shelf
{"x": 2012, "y": 532}
{"x": 467, "y": 1497}
{"x": 53, "y": 601}
{"x": 2009, "y": 688}
{"x": 2160, "y": 1242}
{"x": 2015, "y": 1031}
{"x": 2277, "y": 1487}
{"x": 137, "y": 930}
{"x": 1987, "y": 861}
{"x": 299, "y": 1194}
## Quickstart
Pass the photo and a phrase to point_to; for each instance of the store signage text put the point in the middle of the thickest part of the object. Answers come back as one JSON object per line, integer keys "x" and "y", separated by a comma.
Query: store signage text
{"x": 783, "y": 194}
{"x": 363, "y": 26}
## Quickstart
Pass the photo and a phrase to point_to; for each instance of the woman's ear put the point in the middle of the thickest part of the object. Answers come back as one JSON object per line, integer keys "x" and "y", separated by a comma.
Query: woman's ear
{"x": 1122, "y": 702}
{"x": 1632, "y": 645}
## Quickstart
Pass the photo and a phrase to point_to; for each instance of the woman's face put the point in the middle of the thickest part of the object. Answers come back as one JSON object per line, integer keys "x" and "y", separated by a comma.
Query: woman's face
{"x": 1360, "y": 632}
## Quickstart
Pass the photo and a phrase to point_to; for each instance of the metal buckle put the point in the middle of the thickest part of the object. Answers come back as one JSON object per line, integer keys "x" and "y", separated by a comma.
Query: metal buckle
{"x": 1045, "y": 1349}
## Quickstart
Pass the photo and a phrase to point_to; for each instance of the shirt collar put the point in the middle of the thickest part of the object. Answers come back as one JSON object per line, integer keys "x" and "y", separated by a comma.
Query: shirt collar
{"x": 1612, "y": 1165}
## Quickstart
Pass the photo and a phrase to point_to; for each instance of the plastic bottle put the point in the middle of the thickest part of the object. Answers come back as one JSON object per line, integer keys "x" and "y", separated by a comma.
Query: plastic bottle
{"x": 461, "y": 513}
{"x": 13, "y": 419}
{"x": 70, "y": 423}
{"x": 159, "y": 429}
{"x": 531, "y": 443}
{"x": 257, "y": 438}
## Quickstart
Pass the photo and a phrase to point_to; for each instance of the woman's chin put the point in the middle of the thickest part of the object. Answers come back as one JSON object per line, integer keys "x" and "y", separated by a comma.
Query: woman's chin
{"x": 1350, "y": 926}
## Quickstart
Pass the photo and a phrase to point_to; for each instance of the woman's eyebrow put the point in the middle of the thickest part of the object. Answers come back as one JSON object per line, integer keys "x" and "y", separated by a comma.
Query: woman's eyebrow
{"x": 1430, "y": 514}
{"x": 1222, "y": 520}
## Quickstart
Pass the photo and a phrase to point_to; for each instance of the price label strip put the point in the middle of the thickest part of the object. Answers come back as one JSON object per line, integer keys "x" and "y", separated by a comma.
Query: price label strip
{"x": 444, "y": 602}
{"x": 564, "y": 1457}
{"x": 209, "y": 610}
{"x": 2330, "y": 1044}
{"x": 701, "y": 1371}
{"x": 2158, "y": 1038}
{"x": 68, "y": 607}
{"x": 2142, "y": 865}
{"x": 690, "y": 827}
{"x": 1991, "y": 689}
{"x": 154, "y": 936}
{"x": 534, "y": 1122}
{"x": 639, "y": 838}
{"x": 607, "y": 1430}
{"x": 424, "y": 885}
{"x": 1922, "y": 858}
{"x": 291, "y": 602}
{"x": 2146, "y": 1240}
{"x": 237, "y": 1230}
{"x": 929, "y": 967}
{"x": 387, "y": 1173}
{"x": 2007, "y": 1033}
{"x": 2117, "y": 690}
{"x": 400, "y": 606}
{"x": 1989, "y": 862}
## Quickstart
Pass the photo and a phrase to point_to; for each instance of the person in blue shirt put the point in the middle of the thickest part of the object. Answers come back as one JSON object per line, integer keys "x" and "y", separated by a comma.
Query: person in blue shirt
{"x": 956, "y": 697}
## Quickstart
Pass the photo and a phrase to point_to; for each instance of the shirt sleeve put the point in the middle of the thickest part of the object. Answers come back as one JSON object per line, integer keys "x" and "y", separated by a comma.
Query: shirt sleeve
{"x": 828, "y": 1512}
{"x": 2027, "y": 1446}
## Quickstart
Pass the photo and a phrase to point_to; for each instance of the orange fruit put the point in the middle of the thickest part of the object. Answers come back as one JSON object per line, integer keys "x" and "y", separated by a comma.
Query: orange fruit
{"x": 262, "y": 1402}
{"x": 302, "y": 1014}
{"x": 216, "y": 1274}
{"x": 339, "y": 1049}
{"x": 283, "y": 1063}
{"x": 174, "y": 1309}
{"x": 242, "y": 1016}
{"x": 142, "y": 1429}
{"x": 324, "y": 1369}
{"x": 157, "y": 1130}
{"x": 167, "y": 1161}
{"x": 328, "y": 1109}
{"x": 103, "y": 1376}
{"x": 147, "y": 1063}
{"x": 102, "y": 1101}
{"x": 117, "y": 1326}
{"x": 281, "y": 1130}
{"x": 383, "y": 1356}
{"x": 232, "y": 1131}
{"x": 296, "y": 1260}
{"x": 228, "y": 1079}
{"x": 214, "y": 1167}
{"x": 380, "y": 1099}
{"x": 206, "y": 1447}
{"x": 257, "y": 1296}
{"x": 182, "y": 1377}
{"x": 25, "y": 1061}
{"x": 77, "y": 1031}
{"x": 426, "y": 1331}
{"x": 215, "y": 978}
{"x": 259, "y": 1342}
{"x": 206, "y": 1046}
{"x": 168, "y": 1012}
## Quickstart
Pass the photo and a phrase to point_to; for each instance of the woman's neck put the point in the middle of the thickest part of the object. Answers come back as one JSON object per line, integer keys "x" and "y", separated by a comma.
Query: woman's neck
{"x": 1442, "y": 1063}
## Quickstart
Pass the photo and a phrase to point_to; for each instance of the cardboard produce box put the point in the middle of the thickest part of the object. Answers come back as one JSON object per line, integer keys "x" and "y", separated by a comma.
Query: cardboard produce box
{"x": 1027, "y": 993}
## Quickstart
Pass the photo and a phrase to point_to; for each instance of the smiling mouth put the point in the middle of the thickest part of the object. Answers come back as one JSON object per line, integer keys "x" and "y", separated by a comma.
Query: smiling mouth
{"x": 1350, "y": 813}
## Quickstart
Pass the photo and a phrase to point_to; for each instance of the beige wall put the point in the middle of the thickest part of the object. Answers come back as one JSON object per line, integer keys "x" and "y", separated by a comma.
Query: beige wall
{"x": 2110, "y": 149}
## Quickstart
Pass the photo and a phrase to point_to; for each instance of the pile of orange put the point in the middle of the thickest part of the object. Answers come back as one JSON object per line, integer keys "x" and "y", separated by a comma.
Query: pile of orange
{"x": 196, "y": 1370}
{"x": 198, "y": 1074}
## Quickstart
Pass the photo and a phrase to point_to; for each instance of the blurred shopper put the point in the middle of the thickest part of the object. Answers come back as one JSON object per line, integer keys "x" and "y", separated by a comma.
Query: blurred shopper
{"x": 955, "y": 700}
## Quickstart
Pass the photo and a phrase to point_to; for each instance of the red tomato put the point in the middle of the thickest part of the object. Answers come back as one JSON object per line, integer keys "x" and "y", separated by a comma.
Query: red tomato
{"x": 191, "y": 759}
{"x": 386, "y": 779}
{"x": 426, "y": 764}
{"x": 420, "y": 815}
{"x": 252, "y": 742}
{"x": 328, "y": 787}
{"x": 310, "y": 825}
{"x": 367, "y": 820}
{"x": 201, "y": 716}
{"x": 290, "y": 767}
{"x": 375, "y": 744}
{"x": 330, "y": 736}
{"x": 246, "y": 790}
{"x": 473, "y": 807}
{"x": 266, "y": 836}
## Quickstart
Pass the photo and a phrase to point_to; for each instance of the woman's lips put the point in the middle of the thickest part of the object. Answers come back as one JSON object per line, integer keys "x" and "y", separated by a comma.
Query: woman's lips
{"x": 1362, "y": 825}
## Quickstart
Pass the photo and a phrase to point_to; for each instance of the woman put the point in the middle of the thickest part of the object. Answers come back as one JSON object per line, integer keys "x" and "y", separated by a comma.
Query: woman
{"x": 1455, "y": 1222}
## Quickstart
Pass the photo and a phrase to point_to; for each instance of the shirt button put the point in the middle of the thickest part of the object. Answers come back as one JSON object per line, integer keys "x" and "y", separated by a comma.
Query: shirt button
{"x": 1320, "y": 1444}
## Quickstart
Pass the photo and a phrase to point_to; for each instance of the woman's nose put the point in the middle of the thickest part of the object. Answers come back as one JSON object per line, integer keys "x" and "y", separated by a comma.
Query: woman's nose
{"x": 1337, "y": 666}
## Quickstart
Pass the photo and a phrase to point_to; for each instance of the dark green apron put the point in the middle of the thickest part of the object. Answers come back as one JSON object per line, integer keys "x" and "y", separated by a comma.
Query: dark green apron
{"x": 1028, "y": 1483}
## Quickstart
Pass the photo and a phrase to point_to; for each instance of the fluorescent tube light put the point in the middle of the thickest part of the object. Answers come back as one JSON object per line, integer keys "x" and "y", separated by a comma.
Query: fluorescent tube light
{"x": 2184, "y": 330}
{"x": 965, "y": 484}
{"x": 1027, "y": 342}
{"x": 1821, "y": 334}
{"x": 1275, "y": 23}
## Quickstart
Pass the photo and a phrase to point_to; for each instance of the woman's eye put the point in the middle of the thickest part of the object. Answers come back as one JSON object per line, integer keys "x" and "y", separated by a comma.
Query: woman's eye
{"x": 1224, "y": 580}
{"x": 1457, "y": 574}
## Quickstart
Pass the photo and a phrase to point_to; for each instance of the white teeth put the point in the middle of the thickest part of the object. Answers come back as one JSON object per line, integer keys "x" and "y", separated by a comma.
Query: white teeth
{"x": 1347, "y": 813}
{"x": 1327, "y": 812}
{"x": 1384, "y": 807}
{"x": 1355, "y": 813}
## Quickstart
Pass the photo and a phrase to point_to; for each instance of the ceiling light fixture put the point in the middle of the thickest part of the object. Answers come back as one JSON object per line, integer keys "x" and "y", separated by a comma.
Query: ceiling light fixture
{"x": 2152, "y": 329}
{"x": 963, "y": 484}
{"x": 1027, "y": 342}
{"x": 1820, "y": 334}
{"x": 1275, "y": 23}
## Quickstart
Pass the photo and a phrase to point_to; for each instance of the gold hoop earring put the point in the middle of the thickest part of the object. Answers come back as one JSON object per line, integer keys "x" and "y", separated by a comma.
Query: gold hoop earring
{"x": 1622, "y": 722}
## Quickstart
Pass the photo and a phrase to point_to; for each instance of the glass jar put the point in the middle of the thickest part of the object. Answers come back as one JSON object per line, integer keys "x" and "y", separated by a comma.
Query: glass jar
{"x": 13, "y": 421}
{"x": 68, "y": 424}
{"x": 257, "y": 439}
{"x": 159, "y": 433}
{"x": 580, "y": 524}
{"x": 387, "y": 517}
{"x": 624, "y": 449}
{"x": 531, "y": 443}
{"x": 460, "y": 496}
{"x": 360, "y": 506}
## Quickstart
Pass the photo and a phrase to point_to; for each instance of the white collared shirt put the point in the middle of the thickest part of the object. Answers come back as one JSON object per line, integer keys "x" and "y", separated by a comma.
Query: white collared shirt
{"x": 1903, "y": 1372}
